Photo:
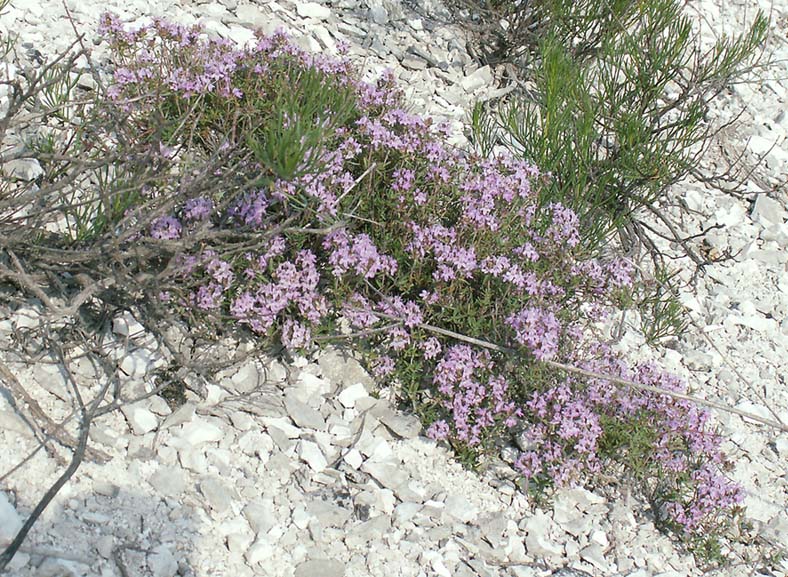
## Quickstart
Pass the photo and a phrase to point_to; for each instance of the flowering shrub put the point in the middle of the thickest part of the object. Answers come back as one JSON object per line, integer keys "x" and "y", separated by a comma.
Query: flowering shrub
{"x": 336, "y": 203}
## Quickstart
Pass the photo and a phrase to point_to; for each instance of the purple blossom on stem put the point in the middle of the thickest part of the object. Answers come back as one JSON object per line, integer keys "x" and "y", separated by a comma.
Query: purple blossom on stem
{"x": 166, "y": 228}
{"x": 357, "y": 253}
{"x": 197, "y": 209}
{"x": 476, "y": 401}
{"x": 537, "y": 329}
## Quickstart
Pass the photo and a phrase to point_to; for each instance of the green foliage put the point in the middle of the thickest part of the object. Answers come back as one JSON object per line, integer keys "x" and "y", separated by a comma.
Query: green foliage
{"x": 620, "y": 92}
{"x": 56, "y": 94}
{"x": 305, "y": 112}
{"x": 661, "y": 314}
{"x": 632, "y": 442}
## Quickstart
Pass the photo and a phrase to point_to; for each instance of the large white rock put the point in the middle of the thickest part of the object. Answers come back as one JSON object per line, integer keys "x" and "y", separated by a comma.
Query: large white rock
{"x": 768, "y": 211}
{"x": 539, "y": 541}
{"x": 351, "y": 394}
{"x": 320, "y": 567}
{"x": 26, "y": 169}
{"x": 260, "y": 551}
{"x": 126, "y": 325}
{"x": 303, "y": 415}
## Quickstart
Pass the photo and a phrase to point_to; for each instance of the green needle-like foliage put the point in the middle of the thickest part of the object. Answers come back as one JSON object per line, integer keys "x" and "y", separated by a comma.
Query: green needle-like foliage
{"x": 621, "y": 89}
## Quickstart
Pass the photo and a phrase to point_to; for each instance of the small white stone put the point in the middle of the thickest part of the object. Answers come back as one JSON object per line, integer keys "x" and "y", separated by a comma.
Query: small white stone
{"x": 260, "y": 516}
{"x": 777, "y": 233}
{"x": 238, "y": 542}
{"x": 768, "y": 211}
{"x": 10, "y": 521}
{"x": 162, "y": 562}
{"x": 199, "y": 432}
{"x": 260, "y": 551}
{"x": 379, "y": 450}
{"x": 311, "y": 454}
{"x": 538, "y": 541}
{"x": 379, "y": 15}
{"x": 126, "y": 325}
{"x": 416, "y": 24}
{"x": 404, "y": 512}
{"x": 353, "y": 458}
{"x": 139, "y": 363}
{"x": 141, "y": 419}
{"x": 480, "y": 78}
{"x": 324, "y": 37}
{"x": 26, "y": 169}
{"x": 301, "y": 517}
{"x": 309, "y": 386}
{"x": 351, "y": 394}
{"x": 600, "y": 537}
{"x": 26, "y": 317}
{"x": 461, "y": 508}
{"x": 284, "y": 425}
{"x": 313, "y": 10}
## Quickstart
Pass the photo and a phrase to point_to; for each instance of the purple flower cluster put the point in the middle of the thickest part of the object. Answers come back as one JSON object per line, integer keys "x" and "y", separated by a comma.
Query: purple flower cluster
{"x": 686, "y": 450}
{"x": 711, "y": 495}
{"x": 476, "y": 400}
{"x": 357, "y": 253}
{"x": 166, "y": 228}
{"x": 562, "y": 435}
{"x": 294, "y": 289}
{"x": 538, "y": 330}
{"x": 488, "y": 192}
{"x": 218, "y": 279}
{"x": 251, "y": 209}
{"x": 440, "y": 243}
{"x": 564, "y": 225}
{"x": 197, "y": 209}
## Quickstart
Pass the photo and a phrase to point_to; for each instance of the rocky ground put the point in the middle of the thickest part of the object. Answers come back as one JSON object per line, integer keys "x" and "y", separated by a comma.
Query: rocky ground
{"x": 300, "y": 470}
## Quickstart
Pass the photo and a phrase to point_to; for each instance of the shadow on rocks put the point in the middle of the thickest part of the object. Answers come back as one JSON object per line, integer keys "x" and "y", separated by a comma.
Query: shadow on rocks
{"x": 114, "y": 530}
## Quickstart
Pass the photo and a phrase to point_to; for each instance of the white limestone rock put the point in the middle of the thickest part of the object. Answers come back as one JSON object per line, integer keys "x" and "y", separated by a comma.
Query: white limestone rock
{"x": 539, "y": 541}
{"x": 10, "y": 520}
{"x": 260, "y": 516}
{"x": 261, "y": 551}
{"x": 169, "y": 481}
{"x": 478, "y": 79}
{"x": 404, "y": 426}
{"x": 768, "y": 211}
{"x": 311, "y": 454}
{"x": 321, "y": 567}
{"x": 460, "y": 508}
{"x": 303, "y": 415}
{"x": 313, "y": 10}
{"x": 140, "y": 419}
{"x": 162, "y": 562}
{"x": 217, "y": 493}
{"x": 343, "y": 370}
{"x": 126, "y": 325}
{"x": 199, "y": 432}
{"x": 27, "y": 169}
{"x": 139, "y": 363}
